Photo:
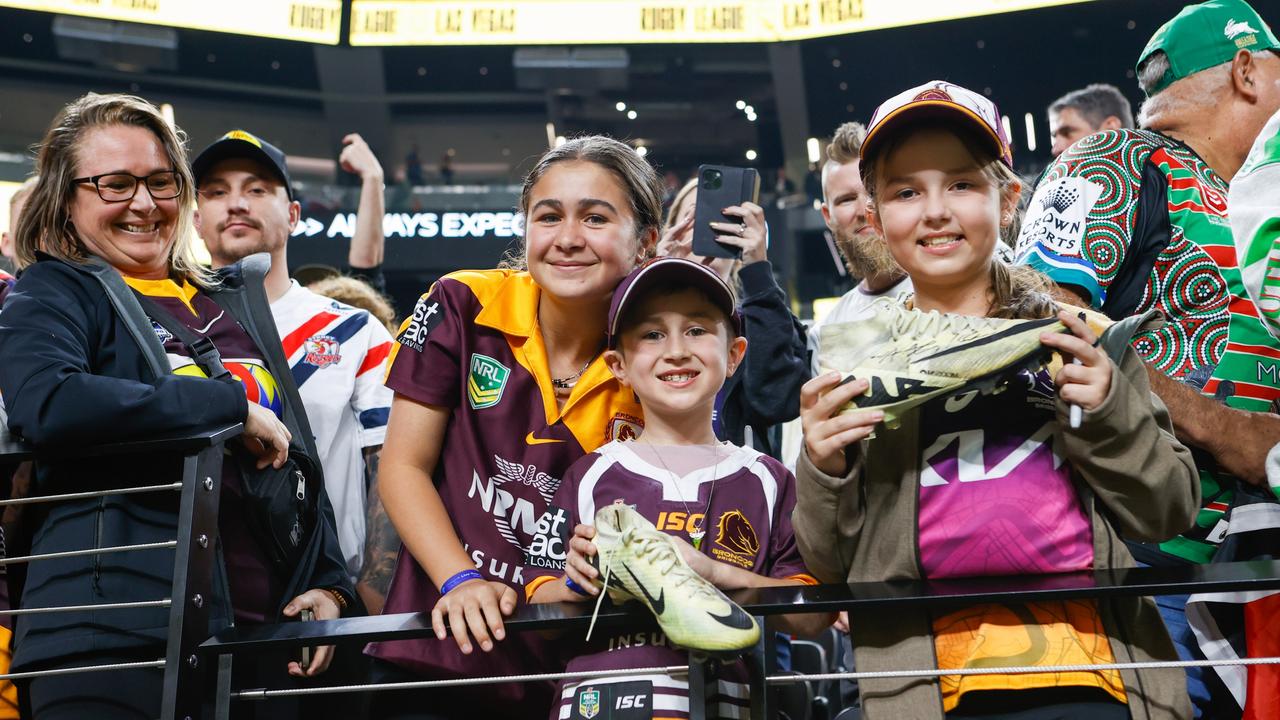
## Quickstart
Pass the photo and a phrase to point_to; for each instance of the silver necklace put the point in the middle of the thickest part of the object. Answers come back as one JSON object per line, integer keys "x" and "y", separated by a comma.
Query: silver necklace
{"x": 699, "y": 532}
{"x": 567, "y": 383}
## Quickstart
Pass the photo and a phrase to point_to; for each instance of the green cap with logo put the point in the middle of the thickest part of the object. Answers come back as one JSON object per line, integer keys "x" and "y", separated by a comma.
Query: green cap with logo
{"x": 1205, "y": 35}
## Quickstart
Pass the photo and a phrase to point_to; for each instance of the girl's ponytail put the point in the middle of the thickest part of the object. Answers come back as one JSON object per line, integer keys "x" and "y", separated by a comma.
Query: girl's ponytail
{"x": 1019, "y": 292}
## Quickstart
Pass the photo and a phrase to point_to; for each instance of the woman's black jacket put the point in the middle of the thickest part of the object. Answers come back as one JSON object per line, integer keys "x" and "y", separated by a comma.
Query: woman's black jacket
{"x": 80, "y": 364}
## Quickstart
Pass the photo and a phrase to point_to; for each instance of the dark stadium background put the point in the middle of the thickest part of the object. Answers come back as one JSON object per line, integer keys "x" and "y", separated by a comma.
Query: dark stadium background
{"x": 473, "y": 102}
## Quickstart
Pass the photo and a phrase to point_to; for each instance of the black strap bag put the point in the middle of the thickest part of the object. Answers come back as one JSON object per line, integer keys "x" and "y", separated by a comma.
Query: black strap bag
{"x": 280, "y": 503}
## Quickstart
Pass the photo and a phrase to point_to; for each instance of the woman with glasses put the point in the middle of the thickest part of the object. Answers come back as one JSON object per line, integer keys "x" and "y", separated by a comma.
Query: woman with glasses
{"x": 103, "y": 340}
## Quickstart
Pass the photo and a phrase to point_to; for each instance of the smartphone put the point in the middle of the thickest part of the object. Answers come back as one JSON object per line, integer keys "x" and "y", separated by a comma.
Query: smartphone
{"x": 720, "y": 186}
{"x": 306, "y": 616}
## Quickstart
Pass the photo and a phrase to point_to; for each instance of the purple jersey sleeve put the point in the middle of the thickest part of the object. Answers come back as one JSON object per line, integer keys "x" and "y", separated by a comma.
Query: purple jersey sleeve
{"x": 426, "y": 361}
{"x": 784, "y": 555}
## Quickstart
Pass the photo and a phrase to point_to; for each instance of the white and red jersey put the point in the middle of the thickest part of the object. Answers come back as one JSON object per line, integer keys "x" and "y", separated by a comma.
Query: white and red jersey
{"x": 338, "y": 354}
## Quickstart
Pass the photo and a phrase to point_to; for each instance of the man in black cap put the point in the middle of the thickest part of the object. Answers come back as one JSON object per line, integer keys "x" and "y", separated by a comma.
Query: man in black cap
{"x": 336, "y": 352}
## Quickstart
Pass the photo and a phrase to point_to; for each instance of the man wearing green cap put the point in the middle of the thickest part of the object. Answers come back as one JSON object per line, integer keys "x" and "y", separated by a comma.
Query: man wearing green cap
{"x": 1130, "y": 220}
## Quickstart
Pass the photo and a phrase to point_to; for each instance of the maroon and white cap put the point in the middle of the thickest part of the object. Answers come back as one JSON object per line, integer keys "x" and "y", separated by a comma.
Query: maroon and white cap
{"x": 938, "y": 98}
{"x": 671, "y": 271}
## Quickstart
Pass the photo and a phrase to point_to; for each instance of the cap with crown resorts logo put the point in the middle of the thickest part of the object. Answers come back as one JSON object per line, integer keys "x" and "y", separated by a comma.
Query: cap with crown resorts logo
{"x": 1205, "y": 35}
{"x": 937, "y": 98}
{"x": 241, "y": 144}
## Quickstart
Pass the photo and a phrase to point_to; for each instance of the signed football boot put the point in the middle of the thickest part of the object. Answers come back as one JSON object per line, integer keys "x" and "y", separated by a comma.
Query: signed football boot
{"x": 639, "y": 562}
{"x": 911, "y": 356}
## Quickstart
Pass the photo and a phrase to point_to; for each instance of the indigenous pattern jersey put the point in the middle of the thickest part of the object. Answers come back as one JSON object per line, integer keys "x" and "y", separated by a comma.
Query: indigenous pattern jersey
{"x": 338, "y": 354}
{"x": 743, "y": 502}
{"x": 256, "y": 590}
{"x": 996, "y": 498}
{"x": 1138, "y": 220}
{"x": 472, "y": 345}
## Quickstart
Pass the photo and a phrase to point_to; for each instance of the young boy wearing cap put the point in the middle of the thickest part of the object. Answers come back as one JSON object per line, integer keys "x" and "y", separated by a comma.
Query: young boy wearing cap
{"x": 674, "y": 337}
{"x": 972, "y": 482}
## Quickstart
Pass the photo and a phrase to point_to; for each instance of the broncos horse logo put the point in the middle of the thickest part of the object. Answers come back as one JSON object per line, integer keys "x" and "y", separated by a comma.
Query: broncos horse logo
{"x": 735, "y": 533}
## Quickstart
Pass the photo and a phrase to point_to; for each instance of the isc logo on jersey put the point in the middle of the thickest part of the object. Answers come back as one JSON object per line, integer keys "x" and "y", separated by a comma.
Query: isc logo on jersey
{"x": 426, "y": 315}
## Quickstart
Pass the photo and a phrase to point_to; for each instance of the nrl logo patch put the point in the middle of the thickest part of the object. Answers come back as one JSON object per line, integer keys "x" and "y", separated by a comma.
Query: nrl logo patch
{"x": 589, "y": 703}
{"x": 487, "y": 380}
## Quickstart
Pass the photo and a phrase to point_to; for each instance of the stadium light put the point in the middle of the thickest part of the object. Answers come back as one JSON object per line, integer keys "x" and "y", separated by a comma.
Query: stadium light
{"x": 1031, "y": 131}
{"x": 642, "y": 150}
{"x": 551, "y": 135}
{"x": 559, "y": 140}
{"x": 751, "y": 154}
{"x": 621, "y": 106}
{"x": 167, "y": 111}
{"x": 631, "y": 114}
{"x": 1008, "y": 127}
{"x": 741, "y": 104}
{"x": 815, "y": 149}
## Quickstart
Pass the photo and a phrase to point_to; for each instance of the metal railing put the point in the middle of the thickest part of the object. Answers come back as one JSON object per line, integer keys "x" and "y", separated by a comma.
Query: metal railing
{"x": 761, "y": 603}
{"x": 194, "y": 549}
{"x": 189, "y": 650}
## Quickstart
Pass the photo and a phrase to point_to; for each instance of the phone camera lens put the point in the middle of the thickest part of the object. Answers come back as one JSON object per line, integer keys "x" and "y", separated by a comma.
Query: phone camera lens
{"x": 712, "y": 180}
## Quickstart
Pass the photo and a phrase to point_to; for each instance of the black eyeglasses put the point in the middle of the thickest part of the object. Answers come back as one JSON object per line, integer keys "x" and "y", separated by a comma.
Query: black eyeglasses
{"x": 121, "y": 187}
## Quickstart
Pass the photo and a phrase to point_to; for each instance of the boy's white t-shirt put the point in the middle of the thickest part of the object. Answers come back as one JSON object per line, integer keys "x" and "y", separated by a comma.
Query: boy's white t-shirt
{"x": 338, "y": 356}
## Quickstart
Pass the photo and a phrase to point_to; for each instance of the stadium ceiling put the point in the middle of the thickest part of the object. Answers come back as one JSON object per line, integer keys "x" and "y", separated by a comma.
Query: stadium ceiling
{"x": 534, "y": 22}
{"x": 684, "y": 94}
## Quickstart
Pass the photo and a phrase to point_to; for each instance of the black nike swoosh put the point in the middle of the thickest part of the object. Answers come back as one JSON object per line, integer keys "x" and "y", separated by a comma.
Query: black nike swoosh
{"x": 736, "y": 619}
{"x": 1016, "y": 329}
{"x": 657, "y": 603}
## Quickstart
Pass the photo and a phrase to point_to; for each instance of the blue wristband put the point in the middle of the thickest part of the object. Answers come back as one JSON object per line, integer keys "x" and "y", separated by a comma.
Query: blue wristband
{"x": 458, "y": 579}
{"x": 574, "y": 586}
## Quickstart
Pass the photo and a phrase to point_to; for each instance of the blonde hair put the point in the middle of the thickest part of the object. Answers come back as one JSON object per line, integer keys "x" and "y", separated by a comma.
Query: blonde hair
{"x": 22, "y": 192}
{"x": 1017, "y": 292}
{"x": 45, "y": 224}
{"x": 673, "y": 218}
{"x": 357, "y": 293}
{"x": 678, "y": 202}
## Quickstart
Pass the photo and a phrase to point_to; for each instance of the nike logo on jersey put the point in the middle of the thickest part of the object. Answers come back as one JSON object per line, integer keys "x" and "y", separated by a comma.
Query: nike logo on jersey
{"x": 531, "y": 440}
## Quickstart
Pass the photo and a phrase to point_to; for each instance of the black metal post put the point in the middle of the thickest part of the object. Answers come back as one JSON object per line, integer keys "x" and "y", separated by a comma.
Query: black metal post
{"x": 192, "y": 583}
{"x": 222, "y": 700}
{"x": 762, "y": 659}
{"x": 700, "y": 692}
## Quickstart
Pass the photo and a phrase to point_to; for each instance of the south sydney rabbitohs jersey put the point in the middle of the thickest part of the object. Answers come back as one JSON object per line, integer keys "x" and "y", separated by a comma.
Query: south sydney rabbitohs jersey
{"x": 1138, "y": 220}
{"x": 747, "y": 520}
{"x": 996, "y": 498}
{"x": 472, "y": 346}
